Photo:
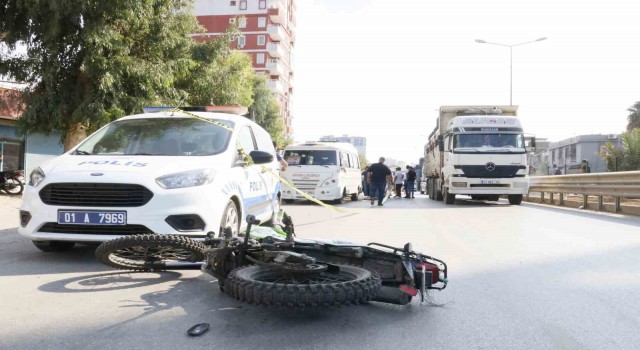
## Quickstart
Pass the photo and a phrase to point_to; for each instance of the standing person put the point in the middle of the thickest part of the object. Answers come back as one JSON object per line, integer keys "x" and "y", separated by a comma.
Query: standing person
{"x": 378, "y": 176}
{"x": 283, "y": 163}
{"x": 365, "y": 183}
{"x": 398, "y": 179}
{"x": 409, "y": 189}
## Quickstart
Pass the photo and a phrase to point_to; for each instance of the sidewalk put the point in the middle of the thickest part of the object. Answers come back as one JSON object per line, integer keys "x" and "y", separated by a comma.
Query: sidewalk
{"x": 9, "y": 211}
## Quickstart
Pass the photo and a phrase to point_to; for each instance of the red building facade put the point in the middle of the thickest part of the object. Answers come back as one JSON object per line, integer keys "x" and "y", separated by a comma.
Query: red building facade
{"x": 268, "y": 36}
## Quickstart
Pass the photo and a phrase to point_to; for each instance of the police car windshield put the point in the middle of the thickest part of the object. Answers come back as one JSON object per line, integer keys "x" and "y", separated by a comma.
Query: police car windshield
{"x": 158, "y": 137}
{"x": 324, "y": 157}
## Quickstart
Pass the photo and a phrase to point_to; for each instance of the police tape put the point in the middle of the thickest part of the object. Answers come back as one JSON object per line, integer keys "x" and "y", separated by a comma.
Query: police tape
{"x": 249, "y": 161}
{"x": 306, "y": 195}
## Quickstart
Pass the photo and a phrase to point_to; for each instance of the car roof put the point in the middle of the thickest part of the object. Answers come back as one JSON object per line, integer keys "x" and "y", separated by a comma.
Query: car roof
{"x": 237, "y": 119}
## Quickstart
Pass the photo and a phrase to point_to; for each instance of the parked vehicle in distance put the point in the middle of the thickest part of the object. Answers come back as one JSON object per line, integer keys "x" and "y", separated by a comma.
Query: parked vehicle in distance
{"x": 325, "y": 170}
{"x": 11, "y": 182}
{"x": 164, "y": 172}
{"x": 478, "y": 151}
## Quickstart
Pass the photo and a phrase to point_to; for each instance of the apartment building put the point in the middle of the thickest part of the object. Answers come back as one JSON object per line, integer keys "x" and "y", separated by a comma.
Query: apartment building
{"x": 359, "y": 142}
{"x": 267, "y": 34}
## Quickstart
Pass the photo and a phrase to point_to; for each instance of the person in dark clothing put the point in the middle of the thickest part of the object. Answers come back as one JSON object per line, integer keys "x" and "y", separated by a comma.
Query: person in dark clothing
{"x": 409, "y": 189}
{"x": 365, "y": 183}
{"x": 378, "y": 177}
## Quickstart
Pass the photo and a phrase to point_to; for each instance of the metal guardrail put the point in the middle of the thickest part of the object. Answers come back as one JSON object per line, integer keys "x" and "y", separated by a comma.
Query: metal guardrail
{"x": 617, "y": 185}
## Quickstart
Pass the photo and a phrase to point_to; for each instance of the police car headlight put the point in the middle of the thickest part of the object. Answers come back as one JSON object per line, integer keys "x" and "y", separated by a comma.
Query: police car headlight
{"x": 186, "y": 179}
{"x": 36, "y": 177}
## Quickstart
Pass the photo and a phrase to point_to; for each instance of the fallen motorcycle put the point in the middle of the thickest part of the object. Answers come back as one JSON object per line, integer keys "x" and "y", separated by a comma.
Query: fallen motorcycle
{"x": 277, "y": 269}
{"x": 10, "y": 182}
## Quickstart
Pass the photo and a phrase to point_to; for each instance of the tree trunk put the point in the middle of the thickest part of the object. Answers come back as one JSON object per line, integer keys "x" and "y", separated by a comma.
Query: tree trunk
{"x": 75, "y": 134}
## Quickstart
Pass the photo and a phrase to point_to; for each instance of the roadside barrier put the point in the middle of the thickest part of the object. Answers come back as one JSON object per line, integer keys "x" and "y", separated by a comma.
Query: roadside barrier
{"x": 617, "y": 185}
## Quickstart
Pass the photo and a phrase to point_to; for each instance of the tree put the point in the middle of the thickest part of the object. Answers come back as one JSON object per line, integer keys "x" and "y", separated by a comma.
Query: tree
{"x": 626, "y": 158}
{"x": 363, "y": 161}
{"x": 265, "y": 111}
{"x": 634, "y": 117}
{"x": 88, "y": 62}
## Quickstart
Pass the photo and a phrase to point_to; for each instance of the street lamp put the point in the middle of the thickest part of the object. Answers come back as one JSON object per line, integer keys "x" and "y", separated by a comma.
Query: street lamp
{"x": 480, "y": 41}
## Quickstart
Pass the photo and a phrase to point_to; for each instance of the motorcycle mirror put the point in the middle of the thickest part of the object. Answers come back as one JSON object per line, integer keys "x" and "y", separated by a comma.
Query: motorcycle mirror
{"x": 408, "y": 248}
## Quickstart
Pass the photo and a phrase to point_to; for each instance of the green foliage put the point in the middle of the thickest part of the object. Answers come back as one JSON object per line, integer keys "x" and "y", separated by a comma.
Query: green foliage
{"x": 634, "y": 117}
{"x": 88, "y": 62}
{"x": 265, "y": 111}
{"x": 363, "y": 161}
{"x": 626, "y": 158}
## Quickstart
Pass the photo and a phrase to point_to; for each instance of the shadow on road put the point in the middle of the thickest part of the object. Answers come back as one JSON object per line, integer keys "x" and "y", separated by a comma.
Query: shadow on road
{"x": 106, "y": 282}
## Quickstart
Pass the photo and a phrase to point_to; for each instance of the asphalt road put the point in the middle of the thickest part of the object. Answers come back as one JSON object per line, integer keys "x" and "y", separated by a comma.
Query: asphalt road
{"x": 521, "y": 277}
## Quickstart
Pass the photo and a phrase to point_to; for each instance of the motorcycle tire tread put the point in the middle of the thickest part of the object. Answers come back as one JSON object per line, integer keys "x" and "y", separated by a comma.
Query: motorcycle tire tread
{"x": 241, "y": 287}
{"x": 147, "y": 240}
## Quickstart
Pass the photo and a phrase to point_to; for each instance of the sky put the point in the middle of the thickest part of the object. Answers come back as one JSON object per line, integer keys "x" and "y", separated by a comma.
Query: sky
{"x": 381, "y": 69}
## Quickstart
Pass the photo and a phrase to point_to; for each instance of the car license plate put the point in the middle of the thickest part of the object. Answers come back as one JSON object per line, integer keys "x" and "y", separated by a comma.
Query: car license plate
{"x": 80, "y": 217}
{"x": 489, "y": 182}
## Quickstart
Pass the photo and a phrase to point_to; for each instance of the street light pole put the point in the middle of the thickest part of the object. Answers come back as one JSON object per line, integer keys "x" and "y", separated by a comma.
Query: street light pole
{"x": 480, "y": 41}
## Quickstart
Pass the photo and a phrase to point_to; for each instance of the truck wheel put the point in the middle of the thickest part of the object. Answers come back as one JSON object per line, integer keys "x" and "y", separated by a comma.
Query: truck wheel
{"x": 515, "y": 199}
{"x": 438, "y": 194}
{"x": 53, "y": 246}
{"x": 262, "y": 285}
{"x": 354, "y": 197}
{"x": 448, "y": 197}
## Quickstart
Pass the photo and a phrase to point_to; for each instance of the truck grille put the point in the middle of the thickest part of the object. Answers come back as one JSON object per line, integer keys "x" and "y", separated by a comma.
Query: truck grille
{"x": 95, "y": 195}
{"x": 501, "y": 171}
{"x": 53, "y": 227}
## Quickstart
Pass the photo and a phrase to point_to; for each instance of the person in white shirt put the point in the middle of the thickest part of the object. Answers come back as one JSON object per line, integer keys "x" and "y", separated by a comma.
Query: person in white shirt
{"x": 398, "y": 180}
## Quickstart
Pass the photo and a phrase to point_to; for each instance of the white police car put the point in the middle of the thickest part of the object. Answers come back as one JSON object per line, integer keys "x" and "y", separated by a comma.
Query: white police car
{"x": 163, "y": 172}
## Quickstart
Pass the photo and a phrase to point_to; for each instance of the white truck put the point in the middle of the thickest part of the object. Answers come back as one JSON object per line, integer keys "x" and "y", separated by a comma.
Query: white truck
{"x": 478, "y": 151}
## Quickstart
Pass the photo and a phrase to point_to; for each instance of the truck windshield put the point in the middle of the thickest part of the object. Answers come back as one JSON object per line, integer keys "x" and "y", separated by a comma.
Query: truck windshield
{"x": 488, "y": 141}
{"x": 311, "y": 157}
{"x": 158, "y": 137}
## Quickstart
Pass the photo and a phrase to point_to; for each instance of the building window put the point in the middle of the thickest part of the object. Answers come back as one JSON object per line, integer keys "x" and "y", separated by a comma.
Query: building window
{"x": 260, "y": 58}
{"x": 242, "y": 22}
{"x": 243, "y": 4}
{"x": 261, "y": 40}
{"x": 232, "y": 3}
{"x": 262, "y": 4}
{"x": 241, "y": 41}
{"x": 262, "y": 22}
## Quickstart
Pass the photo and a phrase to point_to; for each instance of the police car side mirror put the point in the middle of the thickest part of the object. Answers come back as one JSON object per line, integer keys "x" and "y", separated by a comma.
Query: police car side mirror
{"x": 261, "y": 157}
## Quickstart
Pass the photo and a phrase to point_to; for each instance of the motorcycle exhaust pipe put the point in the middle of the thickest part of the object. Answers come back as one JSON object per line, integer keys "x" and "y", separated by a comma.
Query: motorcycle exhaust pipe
{"x": 393, "y": 295}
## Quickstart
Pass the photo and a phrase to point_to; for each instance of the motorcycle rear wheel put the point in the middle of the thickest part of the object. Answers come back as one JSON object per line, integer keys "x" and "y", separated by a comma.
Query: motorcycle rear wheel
{"x": 266, "y": 286}
{"x": 13, "y": 187}
{"x": 151, "y": 252}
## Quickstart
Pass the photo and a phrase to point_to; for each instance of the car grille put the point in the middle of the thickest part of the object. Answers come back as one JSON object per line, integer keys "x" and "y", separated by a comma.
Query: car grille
{"x": 501, "y": 171}
{"x": 95, "y": 195}
{"x": 53, "y": 227}
{"x": 306, "y": 185}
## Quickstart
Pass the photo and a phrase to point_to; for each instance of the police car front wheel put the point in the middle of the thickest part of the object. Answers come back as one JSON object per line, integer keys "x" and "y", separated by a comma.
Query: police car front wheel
{"x": 230, "y": 218}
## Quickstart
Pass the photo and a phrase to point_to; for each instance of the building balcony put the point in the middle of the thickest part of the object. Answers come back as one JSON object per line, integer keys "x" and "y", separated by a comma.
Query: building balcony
{"x": 276, "y": 32}
{"x": 275, "y": 67}
{"x": 273, "y": 10}
{"x": 276, "y": 85}
{"x": 276, "y": 50}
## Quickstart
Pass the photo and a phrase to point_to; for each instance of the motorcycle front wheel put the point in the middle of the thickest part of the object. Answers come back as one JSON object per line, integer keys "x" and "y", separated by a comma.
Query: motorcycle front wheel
{"x": 151, "y": 252}
{"x": 264, "y": 285}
